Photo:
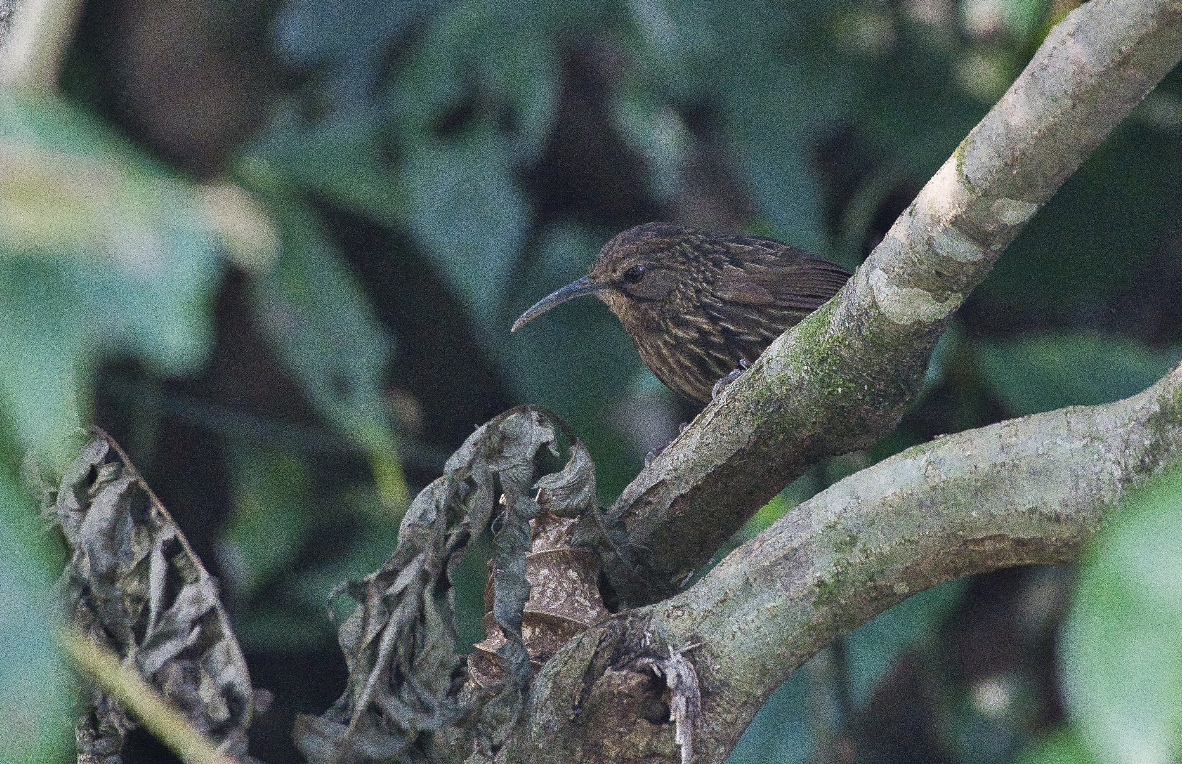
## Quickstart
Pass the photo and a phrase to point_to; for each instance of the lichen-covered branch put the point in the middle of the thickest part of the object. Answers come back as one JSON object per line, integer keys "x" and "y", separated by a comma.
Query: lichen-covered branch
{"x": 1024, "y": 491}
{"x": 842, "y": 378}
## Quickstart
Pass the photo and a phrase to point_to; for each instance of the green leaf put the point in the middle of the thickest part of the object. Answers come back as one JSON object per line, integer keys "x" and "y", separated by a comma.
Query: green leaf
{"x": 101, "y": 250}
{"x": 352, "y": 34}
{"x": 466, "y": 210}
{"x": 36, "y": 696}
{"x": 46, "y": 357}
{"x": 1098, "y": 237}
{"x": 342, "y": 158}
{"x": 133, "y": 243}
{"x": 657, "y": 132}
{"x": 321, "y": 326}
{"x": 782, "y": 183}
{"x": 272, "y": 516}
{"x": 1062, "y": 746}
{"x": 917, "y": 114}
{"x": 1041, "y": 373}
{"x": 1122, "y": 641}
{"x": 773, "y": 107}
{"x": 525, "y": 75}
{"x": 502, "y": 53}
{"x": 780, "y": 732}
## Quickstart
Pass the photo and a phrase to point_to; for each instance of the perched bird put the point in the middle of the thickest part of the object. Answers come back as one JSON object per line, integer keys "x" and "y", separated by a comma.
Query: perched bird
{"x": 698, "y": 305}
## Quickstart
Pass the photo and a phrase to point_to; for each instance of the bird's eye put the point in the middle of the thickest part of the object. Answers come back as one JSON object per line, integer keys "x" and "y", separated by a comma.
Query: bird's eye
{"x": 634, "y": 274}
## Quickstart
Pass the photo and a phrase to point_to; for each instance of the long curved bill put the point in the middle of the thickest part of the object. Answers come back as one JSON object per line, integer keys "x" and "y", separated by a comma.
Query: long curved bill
{"x": 569, "y": 292}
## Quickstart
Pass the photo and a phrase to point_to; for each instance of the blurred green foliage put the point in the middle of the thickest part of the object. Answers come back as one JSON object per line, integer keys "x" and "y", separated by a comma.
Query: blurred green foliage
{"x": 101, "y": 250}
{"x": 1121, "y": 659}
{"x": 36, "y": 694}
{"x": 316, "y": 319}
{"x": 1062, "y": 746}
{"x": 787, "y": 729}
{"x": 422, "y": 171}
{"x": 1042, "y": 372}
{"x": 1122, "y": 641}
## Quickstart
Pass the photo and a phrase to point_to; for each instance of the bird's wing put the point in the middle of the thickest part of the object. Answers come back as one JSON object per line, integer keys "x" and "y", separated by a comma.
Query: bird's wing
{"x": 780, "y": 276}
{"x": 810, "y": 284}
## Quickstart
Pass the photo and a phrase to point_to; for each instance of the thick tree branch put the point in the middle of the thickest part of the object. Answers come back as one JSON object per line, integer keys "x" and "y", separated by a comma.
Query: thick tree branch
{"x": 1025, "y": 491}
{"x": 842, "y": 378}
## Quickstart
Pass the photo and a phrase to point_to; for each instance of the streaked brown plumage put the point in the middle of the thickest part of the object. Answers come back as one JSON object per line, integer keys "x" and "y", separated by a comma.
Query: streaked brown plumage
{"x": 699, "y": 305}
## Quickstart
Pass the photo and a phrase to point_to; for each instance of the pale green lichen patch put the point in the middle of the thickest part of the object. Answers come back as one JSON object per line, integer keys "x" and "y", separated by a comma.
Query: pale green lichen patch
{"x": 907, "y": 305}
{"x": 953, "y": 244}
{"x": 944, "y": 193}
{"x": 1013, "y": 212}
{"x": 960, "y": 156}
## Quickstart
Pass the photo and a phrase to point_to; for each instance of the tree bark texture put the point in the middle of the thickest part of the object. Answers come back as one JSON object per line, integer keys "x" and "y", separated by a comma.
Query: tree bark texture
{"x": 1025, "y": 491}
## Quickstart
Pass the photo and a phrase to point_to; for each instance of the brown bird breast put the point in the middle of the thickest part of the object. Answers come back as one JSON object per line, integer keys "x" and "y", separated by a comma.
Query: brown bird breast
{"x": 695, "y": 303}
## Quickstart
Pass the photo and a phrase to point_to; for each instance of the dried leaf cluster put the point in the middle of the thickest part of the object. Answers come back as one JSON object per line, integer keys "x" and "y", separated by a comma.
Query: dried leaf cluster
{"x": 134, "y": 586}
{"x": 409, "y": 697}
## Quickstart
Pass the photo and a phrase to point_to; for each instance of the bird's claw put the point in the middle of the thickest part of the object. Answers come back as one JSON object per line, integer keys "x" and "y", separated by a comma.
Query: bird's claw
{"x": 744, "y": 364}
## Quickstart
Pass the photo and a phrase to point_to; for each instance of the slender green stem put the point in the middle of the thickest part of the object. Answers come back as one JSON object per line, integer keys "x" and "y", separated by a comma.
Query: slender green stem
{"x": 143, "y": 700}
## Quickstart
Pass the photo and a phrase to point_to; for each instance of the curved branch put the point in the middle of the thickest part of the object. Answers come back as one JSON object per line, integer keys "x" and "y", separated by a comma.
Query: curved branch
{"x": 842, "y": 378}
{"x": 1024, "y": 491}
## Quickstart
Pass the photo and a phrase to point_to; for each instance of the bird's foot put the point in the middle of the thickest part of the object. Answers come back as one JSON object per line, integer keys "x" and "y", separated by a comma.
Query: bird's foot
{"x": 744, "y": 364}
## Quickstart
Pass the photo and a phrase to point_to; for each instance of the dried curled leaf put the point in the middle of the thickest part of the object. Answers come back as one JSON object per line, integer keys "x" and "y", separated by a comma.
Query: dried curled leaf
{"x": 564, "y": 579}
{"x": 134, "y": 586}
{"x": 407, "y": 696}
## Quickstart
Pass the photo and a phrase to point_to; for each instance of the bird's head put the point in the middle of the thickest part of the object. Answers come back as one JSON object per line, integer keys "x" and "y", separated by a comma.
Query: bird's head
{"x": 638, "y": 274}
